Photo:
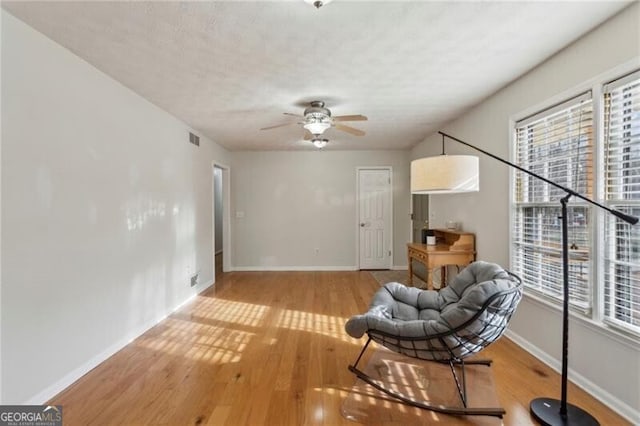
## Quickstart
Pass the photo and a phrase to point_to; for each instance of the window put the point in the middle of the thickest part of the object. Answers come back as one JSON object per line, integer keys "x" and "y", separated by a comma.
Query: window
{"x": 557, "y": 144}
{"x": 622, "y": 192}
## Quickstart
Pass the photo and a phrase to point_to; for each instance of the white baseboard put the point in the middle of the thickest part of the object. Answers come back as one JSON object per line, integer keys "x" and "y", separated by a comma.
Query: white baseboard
{"x": 293, "y": 268}
{"x": 596, "y": 391}
{"x": 66, "y": 381}
{"x": 200, "y": 288}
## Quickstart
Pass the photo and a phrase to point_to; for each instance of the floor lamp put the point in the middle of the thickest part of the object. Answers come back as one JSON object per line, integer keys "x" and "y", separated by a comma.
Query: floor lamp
{"x": 424, "y": 180}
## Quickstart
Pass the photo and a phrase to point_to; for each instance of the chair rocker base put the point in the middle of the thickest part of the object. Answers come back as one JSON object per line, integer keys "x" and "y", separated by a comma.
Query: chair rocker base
{"x": 496, "y": 412}
{"x": 445, "y": 327}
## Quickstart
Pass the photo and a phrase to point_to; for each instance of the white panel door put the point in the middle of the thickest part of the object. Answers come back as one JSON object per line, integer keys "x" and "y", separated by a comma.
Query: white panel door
{"x": 374, "y": 224}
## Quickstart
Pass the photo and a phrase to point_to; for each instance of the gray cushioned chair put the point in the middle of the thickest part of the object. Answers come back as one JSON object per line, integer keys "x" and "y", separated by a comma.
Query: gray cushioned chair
{"x": 443, "y": 326}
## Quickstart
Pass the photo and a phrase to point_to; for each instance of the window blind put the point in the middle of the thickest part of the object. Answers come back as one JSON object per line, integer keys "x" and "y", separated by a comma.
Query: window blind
{"x": 558, "y": 144}
{"x": 622, "y": 192}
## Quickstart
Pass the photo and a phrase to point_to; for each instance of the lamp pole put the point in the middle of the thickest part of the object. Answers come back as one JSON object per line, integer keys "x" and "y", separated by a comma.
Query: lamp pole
{"x": 549, "y": 411}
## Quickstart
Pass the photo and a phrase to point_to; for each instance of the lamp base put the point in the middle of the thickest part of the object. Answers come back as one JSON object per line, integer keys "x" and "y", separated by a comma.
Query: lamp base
{"x": 547, "y": 412}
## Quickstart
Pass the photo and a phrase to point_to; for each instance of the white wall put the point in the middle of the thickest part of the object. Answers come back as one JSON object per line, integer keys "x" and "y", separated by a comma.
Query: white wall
{"x": 294, "y": 202}
{"x": 106, "y": 211}
{"x": 609, "y": 366}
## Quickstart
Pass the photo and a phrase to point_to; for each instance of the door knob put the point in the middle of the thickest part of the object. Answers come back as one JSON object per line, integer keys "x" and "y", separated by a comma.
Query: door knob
{"x": 362, "y": 225}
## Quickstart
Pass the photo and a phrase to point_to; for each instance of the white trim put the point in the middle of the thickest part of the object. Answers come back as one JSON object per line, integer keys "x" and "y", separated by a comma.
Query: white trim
{"x": 620, "y": 81}
{"x": 555, "y": 108}
{"x": 200, "y": 288}
{"x": 597, "y": 232}
{"x": 226, "y": 216}
{"x": 226, "y": 219}
{"x": 512, "y": 171}
{"x": 66, "y": 381}
{"x": 399, "y": 268}
{"x": 615, "y": 404}
{"x": 622, "y": 77}
{"x": 412, "y": 213}
{"x": 293, "y": 268}
{"x": 391, "y": 194}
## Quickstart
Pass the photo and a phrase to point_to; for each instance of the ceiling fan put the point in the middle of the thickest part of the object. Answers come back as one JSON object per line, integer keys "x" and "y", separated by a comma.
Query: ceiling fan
{"x": 316, "y": 119}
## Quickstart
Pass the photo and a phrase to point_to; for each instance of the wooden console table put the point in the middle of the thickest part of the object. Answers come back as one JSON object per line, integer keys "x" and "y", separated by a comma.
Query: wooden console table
{"x": 451, "y": 248}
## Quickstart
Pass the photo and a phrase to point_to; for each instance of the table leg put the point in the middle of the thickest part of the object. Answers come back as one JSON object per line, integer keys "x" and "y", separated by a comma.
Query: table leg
{"x": 410, "y": 280}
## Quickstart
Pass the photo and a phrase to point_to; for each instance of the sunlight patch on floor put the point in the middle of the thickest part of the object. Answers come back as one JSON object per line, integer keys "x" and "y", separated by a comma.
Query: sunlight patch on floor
{"x": 218, "y": 331}
{"x": 327, "y": 325}
{"x": 241, "y": 313}
{"x": 198, "y": 341}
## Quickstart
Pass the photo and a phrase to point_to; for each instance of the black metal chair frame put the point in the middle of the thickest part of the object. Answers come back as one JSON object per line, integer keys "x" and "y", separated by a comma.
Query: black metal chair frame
{"x": 503, "y": 303}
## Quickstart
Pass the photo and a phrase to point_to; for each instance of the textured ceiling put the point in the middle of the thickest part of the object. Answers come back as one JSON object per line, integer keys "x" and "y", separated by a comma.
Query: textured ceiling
{"x": 229, "y": 68}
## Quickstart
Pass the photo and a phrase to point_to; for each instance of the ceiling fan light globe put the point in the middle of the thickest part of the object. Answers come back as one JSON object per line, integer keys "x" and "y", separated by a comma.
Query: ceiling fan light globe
{"x": 320, "y": 143}
{"x": 317, "y": 3}
{"x": 317, "y": 127}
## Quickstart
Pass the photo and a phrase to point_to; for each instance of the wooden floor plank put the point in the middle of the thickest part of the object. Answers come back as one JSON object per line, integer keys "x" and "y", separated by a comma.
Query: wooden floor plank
{"x": 270, "y": 349}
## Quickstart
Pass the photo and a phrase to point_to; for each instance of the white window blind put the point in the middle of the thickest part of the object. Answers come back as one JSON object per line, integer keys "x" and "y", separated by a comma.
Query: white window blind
{"x": 622, "y": 192}
{"x": 557, "y": 144}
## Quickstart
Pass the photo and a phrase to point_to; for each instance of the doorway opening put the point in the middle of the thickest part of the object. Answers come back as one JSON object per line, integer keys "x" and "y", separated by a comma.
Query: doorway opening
{"x": 419, "y": 216}
{"x": 221, "y": 228}
{"x": 420, "y": 221}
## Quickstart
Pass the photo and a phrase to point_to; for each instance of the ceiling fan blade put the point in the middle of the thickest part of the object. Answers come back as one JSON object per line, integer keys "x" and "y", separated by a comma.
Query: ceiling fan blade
{"x": 294, "y": 115}
{"x": 356, "y": 117}
{"x": 307, "y": 135}
{"x": 276, "y": 126}
{"x": 349, "y": 129}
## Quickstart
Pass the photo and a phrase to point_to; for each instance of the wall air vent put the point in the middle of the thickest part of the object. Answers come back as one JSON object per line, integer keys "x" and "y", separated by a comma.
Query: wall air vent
{"x": 194, "y": 139}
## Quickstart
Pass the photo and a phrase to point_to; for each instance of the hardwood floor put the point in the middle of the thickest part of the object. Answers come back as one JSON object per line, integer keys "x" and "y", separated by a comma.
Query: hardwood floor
{"x": 270, "y": 349}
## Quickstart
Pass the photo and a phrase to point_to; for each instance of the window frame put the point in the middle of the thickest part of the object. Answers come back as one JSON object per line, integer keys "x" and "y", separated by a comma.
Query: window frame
{"x": 619, "y": 325}
{"x": 595, "y": 318}
{"x": 555, "y": 105}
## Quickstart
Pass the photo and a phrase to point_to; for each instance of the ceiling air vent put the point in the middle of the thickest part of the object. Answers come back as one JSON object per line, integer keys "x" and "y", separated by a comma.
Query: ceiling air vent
{"x": 194, "y": 139}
